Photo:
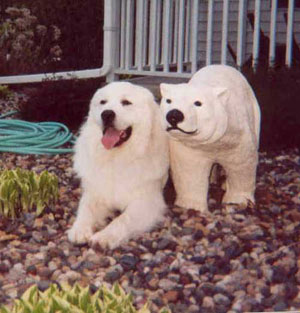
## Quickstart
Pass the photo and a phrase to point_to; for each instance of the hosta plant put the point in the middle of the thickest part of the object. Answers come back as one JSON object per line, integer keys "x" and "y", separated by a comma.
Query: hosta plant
{"x": 24, "y": 191}
{"x": 76, "y": 299}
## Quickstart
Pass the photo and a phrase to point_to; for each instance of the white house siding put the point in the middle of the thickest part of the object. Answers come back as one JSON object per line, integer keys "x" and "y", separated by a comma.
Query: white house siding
{"x": 233, "y": 28}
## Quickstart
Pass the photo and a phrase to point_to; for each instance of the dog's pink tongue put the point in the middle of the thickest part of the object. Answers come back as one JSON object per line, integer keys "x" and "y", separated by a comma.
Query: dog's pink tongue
{"x": 111, "y": 137}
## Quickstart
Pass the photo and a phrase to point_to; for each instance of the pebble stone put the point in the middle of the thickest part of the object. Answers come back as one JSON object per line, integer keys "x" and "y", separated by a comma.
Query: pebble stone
{"x": 240, "y": 260}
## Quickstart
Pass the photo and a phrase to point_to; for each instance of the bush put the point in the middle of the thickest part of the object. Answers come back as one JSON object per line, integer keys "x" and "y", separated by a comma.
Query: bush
{"x": 25, "y": 44}
{"x": 81, "y": 25}
{"x": 277, "y": 91}
{"x": 75, "y": 300}
{"x": 66, "y": 102}
{"x": 23, "y": 190}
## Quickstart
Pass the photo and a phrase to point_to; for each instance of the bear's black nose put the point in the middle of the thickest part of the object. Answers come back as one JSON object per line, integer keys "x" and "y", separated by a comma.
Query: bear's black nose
{"x": 174, "y": 117}
{"x": 108, "y": 116}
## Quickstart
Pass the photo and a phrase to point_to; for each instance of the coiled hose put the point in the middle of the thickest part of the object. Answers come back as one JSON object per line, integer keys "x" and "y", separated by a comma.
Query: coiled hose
{"x": 33, "y": 138}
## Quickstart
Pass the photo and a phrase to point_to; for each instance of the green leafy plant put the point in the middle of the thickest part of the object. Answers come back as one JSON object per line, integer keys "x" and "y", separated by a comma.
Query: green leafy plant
{"x": 75, "y": 299}
{"x": 5, "y": 92}
{"x": 23, "y": 190}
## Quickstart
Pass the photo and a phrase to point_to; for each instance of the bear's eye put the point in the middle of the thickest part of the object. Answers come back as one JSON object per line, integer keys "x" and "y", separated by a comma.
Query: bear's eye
{"x": 168, "y": 100}
{"x": 103, "y": 101}
{"x": 126, "y": 102}
{"x": 198, "y": 103}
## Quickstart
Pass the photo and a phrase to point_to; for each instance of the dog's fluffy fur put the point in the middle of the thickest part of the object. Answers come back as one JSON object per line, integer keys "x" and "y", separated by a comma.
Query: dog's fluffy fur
{"x": 214, "y": 118}
{"x": 128, "y": 176}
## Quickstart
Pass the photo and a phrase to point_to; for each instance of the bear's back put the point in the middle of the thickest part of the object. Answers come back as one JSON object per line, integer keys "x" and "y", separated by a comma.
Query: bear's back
{"x": 219, "y": 75}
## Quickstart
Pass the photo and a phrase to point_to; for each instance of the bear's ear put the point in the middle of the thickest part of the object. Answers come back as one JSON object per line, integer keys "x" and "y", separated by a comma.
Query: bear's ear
{"x": 221, "y": 93}
{"x": 164, "y": 89}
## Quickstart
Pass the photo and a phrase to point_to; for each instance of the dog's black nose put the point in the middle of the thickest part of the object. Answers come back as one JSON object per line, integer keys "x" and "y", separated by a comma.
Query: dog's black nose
{"x": 108, "y": 116}
{"x": 174, "y": 117}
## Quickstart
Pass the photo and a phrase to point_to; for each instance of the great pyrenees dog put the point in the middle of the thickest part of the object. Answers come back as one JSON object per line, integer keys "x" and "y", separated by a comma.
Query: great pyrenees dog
{"x": 214, "y": 118}
{"x": 121, "y": 157}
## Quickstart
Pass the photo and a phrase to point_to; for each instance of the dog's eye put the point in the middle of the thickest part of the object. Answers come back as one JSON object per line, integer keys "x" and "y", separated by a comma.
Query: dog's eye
{"x": 103, "y": 101}
{"x": 168, "y": 100}
{"x": 126, "y": 102}
{"x": 198, "y": 103}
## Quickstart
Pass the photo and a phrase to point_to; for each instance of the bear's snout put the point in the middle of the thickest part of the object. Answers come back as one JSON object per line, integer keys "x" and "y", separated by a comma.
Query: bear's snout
{"x": 108, "y": 117}
{"x": 174, "y": 117}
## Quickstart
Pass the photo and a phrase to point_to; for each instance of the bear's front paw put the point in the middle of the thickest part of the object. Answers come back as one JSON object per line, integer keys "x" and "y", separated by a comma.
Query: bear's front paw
{"x": 192, "y": 204}
{"x": 80, "y": 234}
{"x": 105, "y": 239}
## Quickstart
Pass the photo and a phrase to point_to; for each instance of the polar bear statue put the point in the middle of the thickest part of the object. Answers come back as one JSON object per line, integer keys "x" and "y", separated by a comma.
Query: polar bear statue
{"x": 214, "y": 118}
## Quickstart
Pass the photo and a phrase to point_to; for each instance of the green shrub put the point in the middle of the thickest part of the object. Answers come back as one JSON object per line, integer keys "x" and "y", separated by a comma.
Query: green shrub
{"x": 75, "y": 299}
{"x": 23, "y": 190}
{"x": 25, "y": 44}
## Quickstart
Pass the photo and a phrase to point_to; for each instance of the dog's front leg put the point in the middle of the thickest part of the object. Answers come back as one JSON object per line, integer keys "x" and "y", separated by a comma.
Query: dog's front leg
{"x": 91, "y": 213}
{"x": 140, "y": 216}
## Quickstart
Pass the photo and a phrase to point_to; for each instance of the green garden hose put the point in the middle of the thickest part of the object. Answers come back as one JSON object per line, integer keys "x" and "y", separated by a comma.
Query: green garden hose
{"x": 23, "y": 137}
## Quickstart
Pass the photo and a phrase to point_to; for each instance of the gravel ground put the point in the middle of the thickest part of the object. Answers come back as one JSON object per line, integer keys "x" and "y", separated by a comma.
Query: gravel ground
{"x": 229, "y": 261}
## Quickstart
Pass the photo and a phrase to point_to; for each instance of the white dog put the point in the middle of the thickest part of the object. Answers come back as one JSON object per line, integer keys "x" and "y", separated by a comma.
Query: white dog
{"x": 121, "y": 157}
{"x": 214, "y": 118}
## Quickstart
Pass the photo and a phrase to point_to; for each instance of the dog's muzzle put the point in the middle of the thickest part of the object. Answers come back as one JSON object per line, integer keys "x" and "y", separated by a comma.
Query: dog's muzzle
{"x": 113, "y": 137}
{"x": 108, "y": 117}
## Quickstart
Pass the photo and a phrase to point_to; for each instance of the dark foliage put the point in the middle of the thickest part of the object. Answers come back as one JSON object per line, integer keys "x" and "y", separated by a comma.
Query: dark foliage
{"x": 278, "y": 94}
{"x": 81, "y": 25}
{"x": 277, "y": 91}
{"x": 66, "y": 102}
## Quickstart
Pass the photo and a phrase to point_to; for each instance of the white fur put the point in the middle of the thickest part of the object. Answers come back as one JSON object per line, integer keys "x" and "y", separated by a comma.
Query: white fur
{"x": 129, "y": 177}
{"x": 226, "y": 126}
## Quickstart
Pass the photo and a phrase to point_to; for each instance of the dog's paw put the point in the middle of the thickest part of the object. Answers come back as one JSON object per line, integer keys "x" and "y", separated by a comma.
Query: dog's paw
{"x": 104, "y": 240}
{"x": 80, "y": 235}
